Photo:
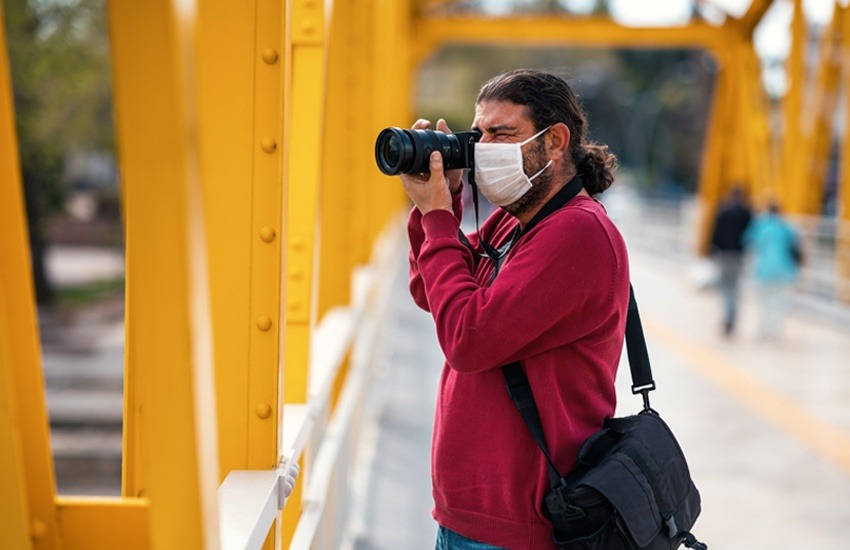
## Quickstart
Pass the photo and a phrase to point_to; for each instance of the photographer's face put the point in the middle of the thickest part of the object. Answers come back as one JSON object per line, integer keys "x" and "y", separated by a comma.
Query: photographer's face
{"x": 507, "y": 122}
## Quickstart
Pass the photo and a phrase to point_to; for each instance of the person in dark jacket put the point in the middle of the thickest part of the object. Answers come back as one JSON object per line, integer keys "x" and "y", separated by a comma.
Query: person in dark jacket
{"x": 733, "y": 218}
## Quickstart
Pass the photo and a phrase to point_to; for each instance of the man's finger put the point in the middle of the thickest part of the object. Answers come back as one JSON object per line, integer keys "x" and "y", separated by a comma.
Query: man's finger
{"x": 436, "y": 164}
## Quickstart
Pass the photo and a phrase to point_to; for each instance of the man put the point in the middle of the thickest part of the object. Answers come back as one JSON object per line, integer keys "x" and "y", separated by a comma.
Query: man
{"x": 558, "y": 304}
{"x": 731, "y": 221}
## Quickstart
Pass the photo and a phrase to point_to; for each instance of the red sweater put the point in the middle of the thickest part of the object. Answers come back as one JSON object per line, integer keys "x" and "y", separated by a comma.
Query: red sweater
{"x": 558, "y": 304}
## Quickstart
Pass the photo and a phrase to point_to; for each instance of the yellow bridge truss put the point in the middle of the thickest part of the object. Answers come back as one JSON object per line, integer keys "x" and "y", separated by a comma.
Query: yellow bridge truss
{"x": 250, "y": 198}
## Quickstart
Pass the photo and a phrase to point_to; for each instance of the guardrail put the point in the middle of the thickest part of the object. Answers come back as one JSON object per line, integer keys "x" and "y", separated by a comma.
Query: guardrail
{"x": 667, "y": 228}
{"x": 322, "y": 433}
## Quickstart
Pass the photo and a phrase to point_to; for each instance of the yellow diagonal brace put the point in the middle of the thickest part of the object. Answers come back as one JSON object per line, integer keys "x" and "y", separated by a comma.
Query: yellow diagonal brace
{"x": 168, "y": 345}
{"x": 750, "y": 20}
{"x": 28, "y": 487}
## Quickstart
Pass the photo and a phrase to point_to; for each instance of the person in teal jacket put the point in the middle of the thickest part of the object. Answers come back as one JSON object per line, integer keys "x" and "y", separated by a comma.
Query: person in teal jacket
{"x": 771, "y": 240}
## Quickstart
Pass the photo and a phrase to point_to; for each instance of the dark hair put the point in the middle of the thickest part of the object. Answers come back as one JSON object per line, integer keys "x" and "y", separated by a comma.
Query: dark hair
{"x": 550, "y": 99}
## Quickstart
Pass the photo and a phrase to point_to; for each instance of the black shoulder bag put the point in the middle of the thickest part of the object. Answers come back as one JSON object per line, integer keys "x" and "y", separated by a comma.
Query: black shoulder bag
{"x": 631, "y": 487}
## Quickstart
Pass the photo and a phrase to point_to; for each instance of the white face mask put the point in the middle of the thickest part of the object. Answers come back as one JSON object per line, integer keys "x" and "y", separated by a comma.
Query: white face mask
{"x": 499, "y": 171}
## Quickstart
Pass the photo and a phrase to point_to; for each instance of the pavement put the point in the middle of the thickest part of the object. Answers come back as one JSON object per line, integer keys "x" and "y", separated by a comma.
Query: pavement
{"x": 765, "y": 425}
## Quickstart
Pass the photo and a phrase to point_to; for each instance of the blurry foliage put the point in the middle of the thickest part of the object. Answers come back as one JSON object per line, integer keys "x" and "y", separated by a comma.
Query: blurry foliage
{"x": 59, "y": 59}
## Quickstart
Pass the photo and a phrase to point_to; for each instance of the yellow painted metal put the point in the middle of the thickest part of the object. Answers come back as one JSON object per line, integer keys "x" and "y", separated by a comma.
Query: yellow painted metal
{"x": 393, "y": 78}
{"x": 104, "y": 523}
{"x": 240, "y": 57}
{"x": 168, "y": 344}
{"x": 338, "y": 159}
{"x": 227, "y": 64}
{"x": 431, "y": 32}
{"x": 304, "y": 104}
{"x": 364, "y": 58}
{"x": 27, "y": 503}
{"x": 795, "y": 147}
{"x": 14, "y": 506}
{"x": 712, "y": 172}
{"x": 753, "y": 16}
{"x": 821, "y": 122}
{"x": 266, "y": 230}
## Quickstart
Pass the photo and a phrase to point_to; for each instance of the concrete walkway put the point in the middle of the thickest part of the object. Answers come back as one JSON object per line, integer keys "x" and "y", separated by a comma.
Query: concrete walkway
{"x": 765, "y": 427}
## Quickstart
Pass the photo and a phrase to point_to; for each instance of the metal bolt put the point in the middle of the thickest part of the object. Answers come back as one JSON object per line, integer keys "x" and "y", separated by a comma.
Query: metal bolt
{"x": 267, "y": 233}
{"x": 264, "y": 410}
{"x": 264, "y": 323}
{"x": 268, "y": 145}
{"x": 38, "y": 529}
{"x": 270, "y": 55}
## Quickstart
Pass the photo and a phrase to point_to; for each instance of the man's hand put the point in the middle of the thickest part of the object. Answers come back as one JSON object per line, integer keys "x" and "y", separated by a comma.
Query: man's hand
{"x": 432, "y": 190}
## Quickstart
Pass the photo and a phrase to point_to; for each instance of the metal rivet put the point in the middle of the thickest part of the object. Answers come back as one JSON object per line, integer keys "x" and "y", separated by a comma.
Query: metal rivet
{"x": 39, "y": 529}
{"x": 268, "y": 145}
{"x": 264, "y": 410}
{"x": 264, "y": 323}
{"x": 296, "y": 274}
{"x": 270, "y": 55}
{"x": 308, "y": 28}
{"x": 267, "y": 233}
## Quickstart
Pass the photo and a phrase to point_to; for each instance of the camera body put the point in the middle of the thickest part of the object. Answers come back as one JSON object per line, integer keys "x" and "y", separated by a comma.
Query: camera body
{"x": 404, "y": 151}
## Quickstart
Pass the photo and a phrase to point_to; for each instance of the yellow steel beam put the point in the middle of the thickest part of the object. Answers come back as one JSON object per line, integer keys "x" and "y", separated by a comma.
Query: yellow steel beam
{"x": 264, "y": 413}
{"x": 393, "y": 78}
{"x": 715, "y": 151}
{"x": 104, "y": 523}
{"x": 304, "y": 103}
{"x": 755, "y": 13}
{"x": 795, "y": 146}
{"x": 431, "y": 32}
{"x": 230, "y": 64}
{"x": 338, "y": 159}
{"x": 27, "y": 478}
{"x": 822, "y": 119}
{"x": 168, "y": 344}
{"x": 240, "y": 57}
{"x": 14, "y": 506}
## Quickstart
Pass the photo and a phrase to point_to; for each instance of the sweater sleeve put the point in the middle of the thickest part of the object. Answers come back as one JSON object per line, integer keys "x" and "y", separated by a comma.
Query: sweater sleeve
{"x": 416, "y": 236}
{"x": 560, "y": 283}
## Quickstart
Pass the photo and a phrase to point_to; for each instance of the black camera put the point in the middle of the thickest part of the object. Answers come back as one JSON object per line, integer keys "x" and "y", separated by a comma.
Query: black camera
{"x": 403, "y": 151}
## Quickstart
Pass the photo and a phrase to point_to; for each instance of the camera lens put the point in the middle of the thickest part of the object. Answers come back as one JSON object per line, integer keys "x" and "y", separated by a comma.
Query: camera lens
{"x": 402, "y": 151}
{"x": 394, "y": 151}
{"x": 391, "y": 150}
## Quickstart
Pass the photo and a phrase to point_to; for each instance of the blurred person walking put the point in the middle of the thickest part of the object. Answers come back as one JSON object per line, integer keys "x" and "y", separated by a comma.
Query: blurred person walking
{"x": 773, "y": 242}
{"x": 730, "y": 223}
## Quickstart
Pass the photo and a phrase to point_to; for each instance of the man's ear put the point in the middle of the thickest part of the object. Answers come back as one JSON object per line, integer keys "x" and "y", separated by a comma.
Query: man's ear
{"x": 558, "y": 141}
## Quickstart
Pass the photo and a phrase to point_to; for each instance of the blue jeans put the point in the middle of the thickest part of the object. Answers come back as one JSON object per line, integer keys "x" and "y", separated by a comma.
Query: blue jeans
{"x": 449, "y": 540}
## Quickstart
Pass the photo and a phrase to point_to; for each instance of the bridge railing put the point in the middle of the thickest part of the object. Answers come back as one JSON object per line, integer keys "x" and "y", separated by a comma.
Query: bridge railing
{"x": 321, "y": 434}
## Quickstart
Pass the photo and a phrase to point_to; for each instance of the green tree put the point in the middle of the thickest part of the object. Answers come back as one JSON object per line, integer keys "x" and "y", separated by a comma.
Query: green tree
{"x": 59, "y": 58}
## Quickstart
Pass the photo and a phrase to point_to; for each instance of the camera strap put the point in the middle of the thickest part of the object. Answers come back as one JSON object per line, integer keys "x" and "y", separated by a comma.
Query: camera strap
{"x": 498, "y": 255}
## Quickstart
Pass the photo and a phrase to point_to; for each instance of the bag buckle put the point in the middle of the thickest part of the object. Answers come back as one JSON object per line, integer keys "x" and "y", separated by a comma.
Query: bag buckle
{"x": 558, "y": 506}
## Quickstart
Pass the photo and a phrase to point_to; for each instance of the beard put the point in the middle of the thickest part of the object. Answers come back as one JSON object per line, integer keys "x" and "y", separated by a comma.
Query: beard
{"x": 532, "y": 163}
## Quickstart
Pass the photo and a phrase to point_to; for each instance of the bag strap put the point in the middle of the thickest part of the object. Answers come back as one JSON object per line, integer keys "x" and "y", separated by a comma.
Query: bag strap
{"x": 520, "y": 392}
